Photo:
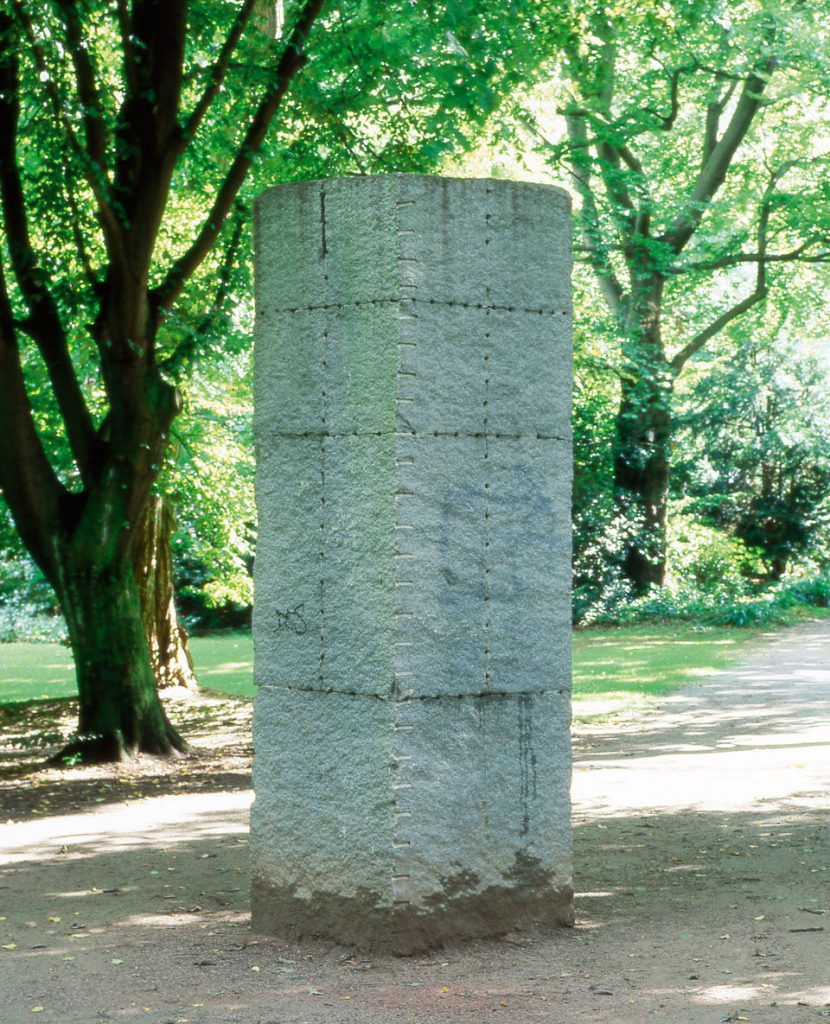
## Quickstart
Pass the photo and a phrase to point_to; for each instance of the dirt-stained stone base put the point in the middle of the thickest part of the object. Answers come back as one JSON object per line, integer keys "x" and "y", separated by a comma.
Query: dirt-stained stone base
{"x": 359, "y": 921}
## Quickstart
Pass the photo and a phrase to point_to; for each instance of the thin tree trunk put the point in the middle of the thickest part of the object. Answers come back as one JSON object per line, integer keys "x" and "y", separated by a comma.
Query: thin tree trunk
{"x": 167, "y": 640}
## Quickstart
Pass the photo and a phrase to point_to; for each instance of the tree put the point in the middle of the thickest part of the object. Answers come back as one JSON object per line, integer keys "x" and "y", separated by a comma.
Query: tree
{"x": 148, "y": 116}
{"x": 753, "y": 434}
{"x": 121, "y": 135}
{"x": 699, "y": 177}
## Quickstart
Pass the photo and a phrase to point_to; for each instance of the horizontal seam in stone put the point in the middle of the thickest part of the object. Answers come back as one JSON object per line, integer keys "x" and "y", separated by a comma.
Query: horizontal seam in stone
{"x": 495, "y": 436}
{"x": 398, "y": 698}
{"x": 449, "y": 303}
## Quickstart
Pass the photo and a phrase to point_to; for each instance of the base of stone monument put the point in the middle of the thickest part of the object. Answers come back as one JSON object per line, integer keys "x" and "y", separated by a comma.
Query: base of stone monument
{"x": 360, "y": 921}
{"x": 402, "y": 824}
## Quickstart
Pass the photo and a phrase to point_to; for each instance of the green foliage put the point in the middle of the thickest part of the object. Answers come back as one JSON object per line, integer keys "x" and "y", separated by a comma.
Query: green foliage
{"x": 689, "y": 138}
{"x": 753, "y": 437}
{"x": 705, "y": 559}
{"x": 211, "y": 477}
{"x": 28, "y": 610}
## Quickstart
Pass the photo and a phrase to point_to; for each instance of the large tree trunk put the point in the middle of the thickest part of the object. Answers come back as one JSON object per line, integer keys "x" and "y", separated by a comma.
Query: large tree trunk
{"x": 120, "y": 713}
{"x": 641, "y": 461}
{"x": 167, "y": 640}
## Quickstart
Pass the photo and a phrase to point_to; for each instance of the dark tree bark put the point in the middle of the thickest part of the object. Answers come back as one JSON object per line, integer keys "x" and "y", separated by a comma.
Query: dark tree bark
{"x": 115, "y": 721}
{"x": 641, "y": 478}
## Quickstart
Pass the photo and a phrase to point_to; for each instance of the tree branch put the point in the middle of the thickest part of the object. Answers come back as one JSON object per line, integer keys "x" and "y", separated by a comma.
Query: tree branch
{"x": 27, "y": 480}
{"x": 99, "y": 184}
{"x": 126, "y": 32}
{"x": 758, "y": 294}
{"x": 666, "y": 121}
{"x": 793, "y": 256}
{"x": 699, "y": 340}
{"x": 615, "y": 186}
{"x": 289, "y": 64}
{"x": 589, "y": 221}
{"x": 714, "y": 170}
{"x": 186, "y": 349}
{"x": 218, "y": 72}
{"x": 44, "y": 323}
{"x": 87, "y": 87}
{"x": 78, "y": 235}
{"x": 714, "y": 112}
{"x": 160, "y": 63}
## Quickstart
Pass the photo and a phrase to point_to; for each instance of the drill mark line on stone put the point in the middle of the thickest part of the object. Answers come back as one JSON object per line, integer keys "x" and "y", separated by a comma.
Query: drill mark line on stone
{"x": 449, "y": 303}
{"x": 323, "y": 435}
{"x": 401, "y": 699}
{"x": 323, "y": 222}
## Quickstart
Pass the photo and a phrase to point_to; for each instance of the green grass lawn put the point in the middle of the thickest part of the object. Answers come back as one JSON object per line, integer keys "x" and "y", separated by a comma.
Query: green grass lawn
{"x": 225, "y": 663}
{"x": 619, "y": 669}
{"x": 626, "y": 665}
{"x": 42, "y": 671}
{"x": 35, "y": 672}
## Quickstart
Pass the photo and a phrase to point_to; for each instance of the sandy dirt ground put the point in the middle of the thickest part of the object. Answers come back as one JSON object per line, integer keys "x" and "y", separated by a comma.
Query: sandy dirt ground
{"x": 702, "y": 874}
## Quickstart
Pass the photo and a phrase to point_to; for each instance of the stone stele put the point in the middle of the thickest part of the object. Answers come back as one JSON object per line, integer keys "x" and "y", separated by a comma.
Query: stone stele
{"x": 412, "y": 613}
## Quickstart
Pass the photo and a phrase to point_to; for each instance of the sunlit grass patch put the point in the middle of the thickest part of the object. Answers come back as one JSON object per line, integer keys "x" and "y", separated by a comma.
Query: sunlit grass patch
{"x": 652, "y": 660}
{"x": 225, "y": 663}
{"x": 35, "y": 672}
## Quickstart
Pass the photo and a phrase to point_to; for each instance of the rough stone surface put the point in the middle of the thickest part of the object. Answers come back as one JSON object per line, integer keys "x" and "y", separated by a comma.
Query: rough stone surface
{"x": 401, "y": 824}
{"x": 412, "y": 613}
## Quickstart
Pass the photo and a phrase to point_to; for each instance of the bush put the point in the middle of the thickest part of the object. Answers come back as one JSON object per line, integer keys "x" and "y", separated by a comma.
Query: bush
{"x": 707, "y": 559}
{"x": 712, "y": 579}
